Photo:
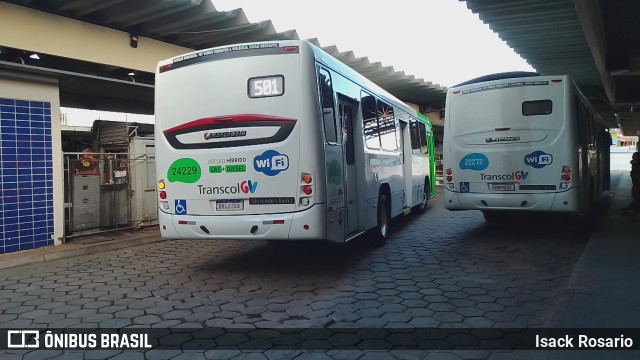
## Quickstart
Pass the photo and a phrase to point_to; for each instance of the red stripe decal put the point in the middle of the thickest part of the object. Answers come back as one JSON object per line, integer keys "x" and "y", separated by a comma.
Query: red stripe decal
{"x": 227, "y": 118}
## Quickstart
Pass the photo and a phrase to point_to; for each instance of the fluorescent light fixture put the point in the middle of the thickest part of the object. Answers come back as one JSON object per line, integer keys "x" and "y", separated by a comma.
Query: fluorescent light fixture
{"x": 131, "y": 74}
{"x": 34, "y": 56}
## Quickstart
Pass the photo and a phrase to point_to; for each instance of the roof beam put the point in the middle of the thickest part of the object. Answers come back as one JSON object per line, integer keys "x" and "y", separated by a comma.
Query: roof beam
{"x": 591, "y": 21}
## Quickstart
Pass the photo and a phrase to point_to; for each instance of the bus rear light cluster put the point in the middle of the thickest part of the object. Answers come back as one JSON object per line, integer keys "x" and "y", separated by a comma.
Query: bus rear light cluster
{"x": 565, "y": 177}
{"x": 306, "y": 189}
{"x": 162, "y": 194}
{"x": 449, "y": 173}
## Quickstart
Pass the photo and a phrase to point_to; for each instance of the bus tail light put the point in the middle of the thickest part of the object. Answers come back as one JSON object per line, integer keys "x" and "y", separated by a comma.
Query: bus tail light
{"x": 162, "y": 194}
{"x": 306, "y": 188}
{"x": 449, "y": 173}
{"x": 565, "y": 177}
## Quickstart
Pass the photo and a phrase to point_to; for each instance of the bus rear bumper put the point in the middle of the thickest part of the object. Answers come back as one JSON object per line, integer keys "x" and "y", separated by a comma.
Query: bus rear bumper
{"x": 565, "y": 201}
{"x": 287, "y": 226}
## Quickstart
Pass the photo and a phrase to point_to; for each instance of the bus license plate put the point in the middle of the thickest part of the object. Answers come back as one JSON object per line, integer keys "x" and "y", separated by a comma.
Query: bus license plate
{"x": 229, "y": 205}
{"x": 502, "y": 187}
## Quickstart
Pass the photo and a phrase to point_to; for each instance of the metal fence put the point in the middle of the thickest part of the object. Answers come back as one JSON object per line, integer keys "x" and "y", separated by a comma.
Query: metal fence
{"x": 107, "y": 191}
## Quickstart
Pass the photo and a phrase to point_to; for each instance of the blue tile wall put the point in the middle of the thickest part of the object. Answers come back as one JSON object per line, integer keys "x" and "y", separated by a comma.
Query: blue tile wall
{"x": 26, "y": 175}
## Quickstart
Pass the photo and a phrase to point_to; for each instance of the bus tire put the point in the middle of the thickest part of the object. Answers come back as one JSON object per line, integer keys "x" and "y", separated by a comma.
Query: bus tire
{"x": 384, "y": 221}
{"x": 422, "y": 207}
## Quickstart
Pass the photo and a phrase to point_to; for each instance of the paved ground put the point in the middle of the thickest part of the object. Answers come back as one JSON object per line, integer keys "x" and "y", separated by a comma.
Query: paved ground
{"x": 440, "y": 270}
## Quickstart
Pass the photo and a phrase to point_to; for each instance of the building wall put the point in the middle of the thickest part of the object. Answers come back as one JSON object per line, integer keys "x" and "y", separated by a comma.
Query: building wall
{"x": 435, "y": 118}
{"x": 31, "y": 205}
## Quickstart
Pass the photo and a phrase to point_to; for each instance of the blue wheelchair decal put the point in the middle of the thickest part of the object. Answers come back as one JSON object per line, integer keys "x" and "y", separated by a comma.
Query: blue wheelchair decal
{"x": 181, "y": 207}
{"x": 464, "y": 186}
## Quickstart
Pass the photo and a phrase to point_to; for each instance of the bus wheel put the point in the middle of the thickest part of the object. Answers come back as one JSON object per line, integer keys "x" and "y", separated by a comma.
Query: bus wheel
{"x": 384, "y": 220}
{"x": 422, "y": 207}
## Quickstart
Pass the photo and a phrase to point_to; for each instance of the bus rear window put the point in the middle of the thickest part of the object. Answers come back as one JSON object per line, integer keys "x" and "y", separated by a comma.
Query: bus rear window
{"x": 537, "y": 107}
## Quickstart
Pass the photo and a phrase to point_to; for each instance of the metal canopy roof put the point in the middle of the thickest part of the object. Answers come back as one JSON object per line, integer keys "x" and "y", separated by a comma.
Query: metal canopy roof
{"x": 594, "y": 41}
{"x": 404, "y": 87}
{"x": 194, "y": 24}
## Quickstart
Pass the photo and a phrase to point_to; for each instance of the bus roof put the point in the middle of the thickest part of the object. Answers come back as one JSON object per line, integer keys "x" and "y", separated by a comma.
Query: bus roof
{"x": 499, "y": 76}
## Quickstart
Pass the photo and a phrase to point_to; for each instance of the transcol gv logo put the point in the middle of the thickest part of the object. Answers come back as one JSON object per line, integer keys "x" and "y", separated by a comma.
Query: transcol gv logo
{"x": 248, "y": 186}
{"x": 516, "y": 175}
{"x": 538, "y": 159}
{"x": 271, "y": 163}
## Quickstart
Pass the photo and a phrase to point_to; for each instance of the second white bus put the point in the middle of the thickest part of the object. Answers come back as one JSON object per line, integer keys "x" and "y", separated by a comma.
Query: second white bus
{"x": 515, "y": 143}
{"x": 281, "y": 141}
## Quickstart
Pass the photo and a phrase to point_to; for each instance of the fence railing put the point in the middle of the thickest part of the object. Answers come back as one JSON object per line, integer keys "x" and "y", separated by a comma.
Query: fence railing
{"x": 107, "y": 191}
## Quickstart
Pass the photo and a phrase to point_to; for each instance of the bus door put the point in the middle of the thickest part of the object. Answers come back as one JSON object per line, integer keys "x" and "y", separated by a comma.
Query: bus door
{"x": 333, "y": 154}
{"x": 405, "y": 146}
{"x": 346, "y": 112}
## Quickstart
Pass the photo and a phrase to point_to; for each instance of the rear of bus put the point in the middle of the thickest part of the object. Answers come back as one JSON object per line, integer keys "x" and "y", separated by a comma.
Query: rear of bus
{"x": 230, "y": 159}
{"x": 510, "y": 145}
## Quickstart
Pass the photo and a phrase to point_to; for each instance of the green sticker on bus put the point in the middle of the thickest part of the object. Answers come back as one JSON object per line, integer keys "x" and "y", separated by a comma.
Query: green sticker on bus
{"x": 334, "y": 173}
{"x": 184, "y": 170}
{"x": 233, "y": 168}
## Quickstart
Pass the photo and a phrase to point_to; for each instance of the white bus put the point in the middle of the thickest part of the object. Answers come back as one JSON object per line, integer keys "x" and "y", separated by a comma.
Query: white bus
{"x": 518, "y": 142}
{"x": 281, "y": 141}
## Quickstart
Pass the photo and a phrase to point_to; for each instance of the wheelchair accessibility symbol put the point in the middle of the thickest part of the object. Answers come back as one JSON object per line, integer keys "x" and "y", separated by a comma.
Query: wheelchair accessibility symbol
{"x": 181, "y": 207}
{"x": 464, "y": 186}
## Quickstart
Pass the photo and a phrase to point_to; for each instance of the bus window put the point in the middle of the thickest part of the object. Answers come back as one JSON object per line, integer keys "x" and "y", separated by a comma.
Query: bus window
{"x": 537, "y": 107}
{"x": 370, "y": 121}
{"x": 415, "y": 137}
{"x": 387, "y": 124}
{"x": 581, "y": 119}
{"x": 424, "y": 149}
{"x": 326, "y": 97}
{"x": 347, "y": 119}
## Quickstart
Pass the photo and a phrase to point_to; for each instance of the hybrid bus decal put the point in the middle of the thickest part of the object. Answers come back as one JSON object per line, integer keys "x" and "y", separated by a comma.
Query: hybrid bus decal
{"x": 543, "y": 123}
{"x": 304, "y": 147}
